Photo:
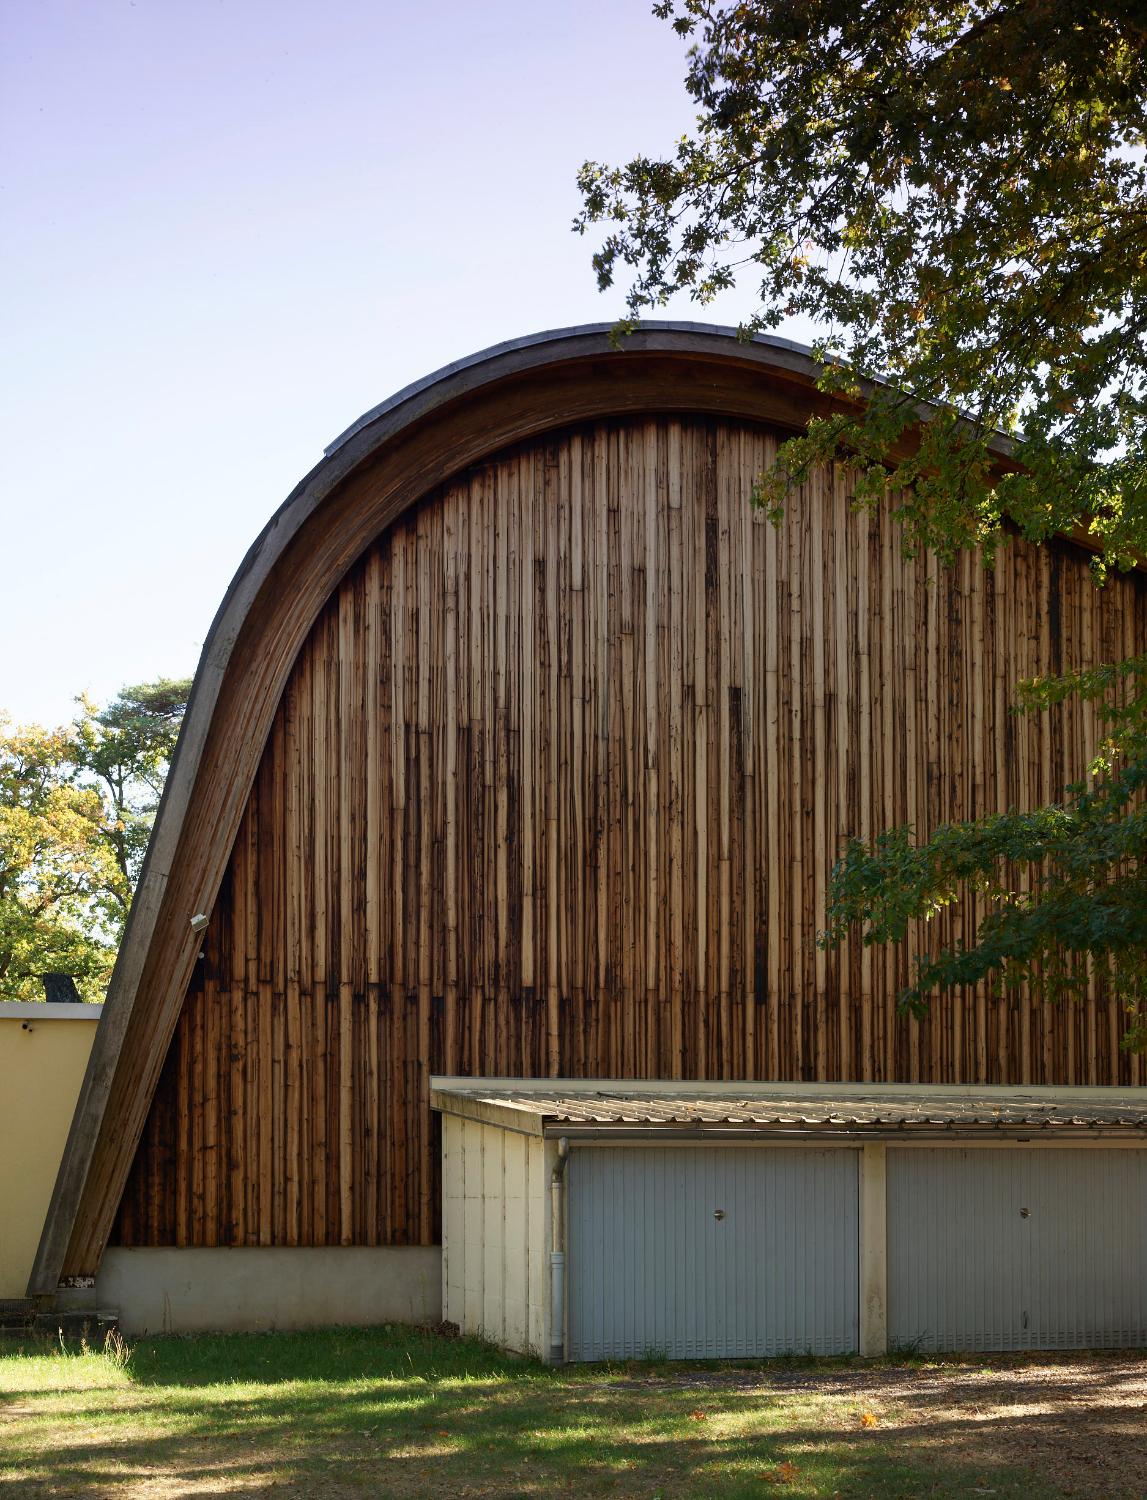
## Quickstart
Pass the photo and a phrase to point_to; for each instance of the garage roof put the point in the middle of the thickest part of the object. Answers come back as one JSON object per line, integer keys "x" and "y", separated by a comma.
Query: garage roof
{"x": 575, "y": 1107}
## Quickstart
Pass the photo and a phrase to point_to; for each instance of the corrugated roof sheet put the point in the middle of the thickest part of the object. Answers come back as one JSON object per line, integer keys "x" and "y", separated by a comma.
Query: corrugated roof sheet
{"x": 790, "y": 1108}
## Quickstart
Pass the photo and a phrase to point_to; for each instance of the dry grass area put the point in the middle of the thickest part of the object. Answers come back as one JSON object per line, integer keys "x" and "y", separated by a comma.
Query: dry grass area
{"x": 406, "y": 1414}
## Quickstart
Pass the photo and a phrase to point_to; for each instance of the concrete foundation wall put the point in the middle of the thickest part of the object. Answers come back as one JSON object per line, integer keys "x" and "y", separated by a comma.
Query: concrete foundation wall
{"x": 256, "y": 1289}
{"x": 43, "y": 1054}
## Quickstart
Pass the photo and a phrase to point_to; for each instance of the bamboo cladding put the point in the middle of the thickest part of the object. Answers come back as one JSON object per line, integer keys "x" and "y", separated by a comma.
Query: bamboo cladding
{"x": 555, "y": 788}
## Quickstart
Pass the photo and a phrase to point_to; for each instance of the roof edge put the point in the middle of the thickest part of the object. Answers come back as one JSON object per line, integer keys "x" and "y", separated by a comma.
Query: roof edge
{"x": 465, "y": 1085}
{"x": 805, "y": 361}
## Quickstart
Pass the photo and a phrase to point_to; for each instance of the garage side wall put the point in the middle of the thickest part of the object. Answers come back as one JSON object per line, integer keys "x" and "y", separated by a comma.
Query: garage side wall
{"x": 496, "y": 1229}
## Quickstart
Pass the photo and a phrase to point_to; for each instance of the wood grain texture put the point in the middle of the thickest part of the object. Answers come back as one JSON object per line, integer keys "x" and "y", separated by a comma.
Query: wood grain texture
{"x": 554, "y": 787}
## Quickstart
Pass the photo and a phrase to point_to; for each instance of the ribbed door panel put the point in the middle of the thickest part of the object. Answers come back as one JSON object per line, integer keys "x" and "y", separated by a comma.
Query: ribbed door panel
{"x": 1017, "y": 1249}
{"x": 653, "y": 1269}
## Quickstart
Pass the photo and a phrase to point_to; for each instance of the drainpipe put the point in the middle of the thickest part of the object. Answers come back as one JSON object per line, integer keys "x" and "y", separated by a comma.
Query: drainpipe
{"x": 557, "y": 1256}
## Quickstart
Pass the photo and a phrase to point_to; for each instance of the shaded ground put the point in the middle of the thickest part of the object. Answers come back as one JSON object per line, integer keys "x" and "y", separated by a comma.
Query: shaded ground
{"x": 1077, "y": 1422}
{"x": 407, "y": 1414}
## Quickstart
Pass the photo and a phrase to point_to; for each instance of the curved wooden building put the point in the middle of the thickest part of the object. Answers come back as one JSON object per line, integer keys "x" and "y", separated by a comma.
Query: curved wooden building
{"x": 523, "y": 746}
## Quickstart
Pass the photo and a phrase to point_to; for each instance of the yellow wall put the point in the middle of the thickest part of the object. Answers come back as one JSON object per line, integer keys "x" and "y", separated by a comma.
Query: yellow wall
{"x": 43, "y": 1054}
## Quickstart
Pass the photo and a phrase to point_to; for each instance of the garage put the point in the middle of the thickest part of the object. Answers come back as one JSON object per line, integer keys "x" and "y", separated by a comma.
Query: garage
{"x": 725, "y": 1253}
{"x": 587, "y": 1220}
{"x": 1024, "y": 1247}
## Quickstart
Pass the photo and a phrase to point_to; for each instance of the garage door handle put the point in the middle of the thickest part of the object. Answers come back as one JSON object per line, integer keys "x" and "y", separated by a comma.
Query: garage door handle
{"x": 718, "y": 1213}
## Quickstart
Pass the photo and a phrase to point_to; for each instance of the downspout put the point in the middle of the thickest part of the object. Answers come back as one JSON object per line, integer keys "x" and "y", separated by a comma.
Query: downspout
{"x": 557, "y": 1256}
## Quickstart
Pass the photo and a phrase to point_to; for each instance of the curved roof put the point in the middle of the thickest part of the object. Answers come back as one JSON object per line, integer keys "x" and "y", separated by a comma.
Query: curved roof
{"x": 649, "y": 335}
{"x": 380, "y": 466}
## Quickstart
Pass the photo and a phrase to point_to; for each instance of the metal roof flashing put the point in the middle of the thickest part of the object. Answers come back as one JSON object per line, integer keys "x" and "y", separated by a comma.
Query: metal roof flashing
{"x": 745, "y": 1108}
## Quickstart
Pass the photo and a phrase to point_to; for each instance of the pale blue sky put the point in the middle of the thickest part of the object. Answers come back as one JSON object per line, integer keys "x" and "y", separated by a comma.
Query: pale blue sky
{"x": 231, "y": 226}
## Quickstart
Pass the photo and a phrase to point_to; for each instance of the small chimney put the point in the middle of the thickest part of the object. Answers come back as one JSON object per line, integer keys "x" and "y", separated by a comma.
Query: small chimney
{"x": 60, "y": 989}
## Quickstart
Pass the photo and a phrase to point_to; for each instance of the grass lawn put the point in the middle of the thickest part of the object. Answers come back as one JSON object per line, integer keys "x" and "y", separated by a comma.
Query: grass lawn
{"x": 403, "y": 1412}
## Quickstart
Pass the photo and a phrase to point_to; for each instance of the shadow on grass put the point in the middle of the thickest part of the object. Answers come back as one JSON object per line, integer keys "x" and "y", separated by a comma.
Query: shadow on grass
{"x": 390, "y": 1352}
{"x": 406, "y": 1414}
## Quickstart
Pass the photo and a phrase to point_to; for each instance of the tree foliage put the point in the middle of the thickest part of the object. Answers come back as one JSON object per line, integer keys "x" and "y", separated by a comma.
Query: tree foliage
{"x": 59, "y": 886}
{"x": 1077, "y": 912}
{"x": 957, "y": 194}
{"x": 76, "y": 806}
{"x": 124, "y": 750}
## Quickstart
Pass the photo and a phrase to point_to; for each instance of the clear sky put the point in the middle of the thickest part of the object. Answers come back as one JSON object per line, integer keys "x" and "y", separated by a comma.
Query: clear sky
{"x": 231, "y": 226}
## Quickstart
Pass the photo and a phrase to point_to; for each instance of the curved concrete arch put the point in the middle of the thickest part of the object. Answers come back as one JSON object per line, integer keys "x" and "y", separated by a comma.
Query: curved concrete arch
{"x": 384, "y": 463}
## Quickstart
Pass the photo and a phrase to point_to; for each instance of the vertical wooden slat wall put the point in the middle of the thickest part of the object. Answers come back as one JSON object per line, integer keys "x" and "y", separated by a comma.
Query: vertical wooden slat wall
{"x": 555, "y": 789}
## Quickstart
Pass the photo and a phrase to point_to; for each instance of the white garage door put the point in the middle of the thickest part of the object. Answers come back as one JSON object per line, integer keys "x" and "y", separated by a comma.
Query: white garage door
{"x": 1017, "y": 1248}
{"x": 701, "y": 1253}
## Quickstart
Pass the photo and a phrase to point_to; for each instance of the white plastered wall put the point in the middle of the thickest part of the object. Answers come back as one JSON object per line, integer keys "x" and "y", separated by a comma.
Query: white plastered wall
{"x": 495, "y": 1233}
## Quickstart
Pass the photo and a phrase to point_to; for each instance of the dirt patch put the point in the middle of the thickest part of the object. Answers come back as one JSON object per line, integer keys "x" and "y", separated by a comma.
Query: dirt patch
{"x": 1079, "y": 1422}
